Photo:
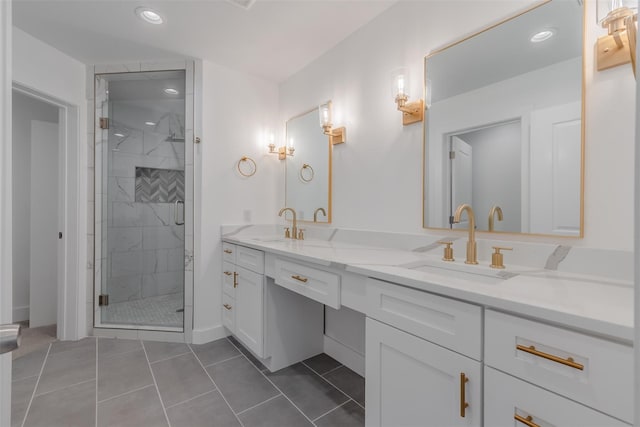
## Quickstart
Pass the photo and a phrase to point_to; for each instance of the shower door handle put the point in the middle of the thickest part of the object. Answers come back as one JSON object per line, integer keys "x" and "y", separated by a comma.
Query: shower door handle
{"x": 176, "y": 212}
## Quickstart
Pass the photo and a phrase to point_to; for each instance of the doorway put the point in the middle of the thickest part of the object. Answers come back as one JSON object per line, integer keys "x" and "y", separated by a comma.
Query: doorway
{"x": 37, "y": 205}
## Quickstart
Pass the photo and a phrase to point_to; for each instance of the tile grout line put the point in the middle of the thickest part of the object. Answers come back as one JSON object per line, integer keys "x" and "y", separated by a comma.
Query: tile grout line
{"x": 155, "y": 383}
{"x": 44, "y": 362}
{"x": 335, "y": 386}
{"x": 215, "y": 385}
{"x": 64, "y": 387}
{"x": 331, "y": 410}
{"x": 191, "y": 398}
{"x": 168, "y": 358}
{"x": 275, "y": 386}
{"x": 261, "y": 403}
{"x": 222, "y": 361}
{"x": 125, "y": 393}
{"x": 326, "y": 373}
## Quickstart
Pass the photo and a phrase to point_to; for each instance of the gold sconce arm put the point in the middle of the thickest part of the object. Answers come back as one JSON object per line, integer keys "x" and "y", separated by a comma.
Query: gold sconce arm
{"x": 412, "y": 112}
{"x": 619, "y": 46}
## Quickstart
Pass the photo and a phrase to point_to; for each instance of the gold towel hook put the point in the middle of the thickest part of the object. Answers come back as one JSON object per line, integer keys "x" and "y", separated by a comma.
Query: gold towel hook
{"x": 302, "y": 169}
{"x": 254, "y": 167}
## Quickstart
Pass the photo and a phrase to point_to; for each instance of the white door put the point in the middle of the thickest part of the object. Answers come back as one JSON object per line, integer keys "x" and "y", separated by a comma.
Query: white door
{"x": 43, "y": 294}
{"x": 412, "y": 382}
{"x": 249, "y": 319}
{"x": 461, "y": 157}
{"x": 555, "y": 170}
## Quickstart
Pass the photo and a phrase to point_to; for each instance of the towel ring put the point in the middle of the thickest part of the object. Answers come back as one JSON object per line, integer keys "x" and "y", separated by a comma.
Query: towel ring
{"x": 312, "y": 173}
{"x": 253, "y": 169}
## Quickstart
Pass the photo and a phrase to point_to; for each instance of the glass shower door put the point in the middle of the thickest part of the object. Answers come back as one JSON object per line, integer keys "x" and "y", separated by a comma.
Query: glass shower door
{"x": 140, "y": 173}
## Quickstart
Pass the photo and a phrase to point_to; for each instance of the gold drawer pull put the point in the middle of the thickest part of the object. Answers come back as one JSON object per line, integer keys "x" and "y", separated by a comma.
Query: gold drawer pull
{"x": 235, "y": 279}
{"x": 228, "y": 251}
{"x": 228, "y": 273}
{"x": 526, "y": 421}
{"x": 568, "y": 361}
{"x": 227, "y": 306}
{"x": 463, "y": 394}
{"x": 300, "y": 278}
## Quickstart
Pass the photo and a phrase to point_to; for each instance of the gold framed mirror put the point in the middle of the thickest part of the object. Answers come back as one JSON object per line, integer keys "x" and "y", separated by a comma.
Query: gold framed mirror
{"x": 504, "y": 126}
{"x": 308, "y": 168}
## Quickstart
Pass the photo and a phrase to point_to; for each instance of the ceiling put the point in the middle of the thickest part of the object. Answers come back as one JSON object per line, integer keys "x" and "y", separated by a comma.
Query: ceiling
{"x": 272, "y": 39}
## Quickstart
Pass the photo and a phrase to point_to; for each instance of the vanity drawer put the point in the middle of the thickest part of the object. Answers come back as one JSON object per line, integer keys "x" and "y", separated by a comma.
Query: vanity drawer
{"x": 452, "y": 324}
{"x": 229, "y": 279}
{"x": 600, "y": 374}
{"x": 506, "y": 397}
{"x": 229, "y": 252}
{"x": 251, "y": 259}
{"x": 229, "y": 313}
{"x": 313, "y": 283}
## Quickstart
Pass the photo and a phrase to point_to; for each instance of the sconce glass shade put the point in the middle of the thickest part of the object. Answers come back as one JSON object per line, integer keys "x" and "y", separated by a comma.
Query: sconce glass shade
{"x": 604, "y": 8}
{"x": 400, "y": 83}
{"x": 325, "y": 115}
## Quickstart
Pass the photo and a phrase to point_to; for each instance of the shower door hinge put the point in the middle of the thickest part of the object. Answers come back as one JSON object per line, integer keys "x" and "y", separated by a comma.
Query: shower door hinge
{"x": 451, "y": 220}
{"x": 103, "y": 300}
{"x": 104, "y": 123}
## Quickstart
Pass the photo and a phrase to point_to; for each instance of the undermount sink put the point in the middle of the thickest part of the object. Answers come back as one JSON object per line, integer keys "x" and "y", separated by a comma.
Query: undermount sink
{"x": 267, "y": 239}
{"x": 459, "y": 270}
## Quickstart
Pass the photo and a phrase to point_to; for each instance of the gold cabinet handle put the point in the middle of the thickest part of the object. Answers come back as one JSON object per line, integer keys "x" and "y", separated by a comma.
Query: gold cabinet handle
{"x": 463, "y": 394}
{"x": 567, "y": 362}
{"x": 228, "y": 273}
{"x": 526, "y": 421}
{"x": 227, "y": 306}
{"x": 235, "y": 279}
{"x": 300, "y": 278}
{"x": 228, "y": 251}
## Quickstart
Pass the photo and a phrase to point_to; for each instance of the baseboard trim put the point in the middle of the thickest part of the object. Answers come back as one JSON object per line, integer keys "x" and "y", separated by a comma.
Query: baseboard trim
{"x": 345, "y": 355}
{"x": 20, "y": 314}
{"x": 203, "y": 336}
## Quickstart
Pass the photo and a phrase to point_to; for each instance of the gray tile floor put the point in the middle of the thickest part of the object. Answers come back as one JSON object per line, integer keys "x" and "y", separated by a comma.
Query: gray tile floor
{"x": 112, "y": 382}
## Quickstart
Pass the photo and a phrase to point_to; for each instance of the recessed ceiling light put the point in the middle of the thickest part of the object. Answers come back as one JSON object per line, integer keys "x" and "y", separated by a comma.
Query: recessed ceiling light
{"x": 541, "y": 36}
{"x": 150, "y": 123}
{"x": 171, "y": 91}
{"x": 149, "y": 15}
{"x": 119, "y": 135}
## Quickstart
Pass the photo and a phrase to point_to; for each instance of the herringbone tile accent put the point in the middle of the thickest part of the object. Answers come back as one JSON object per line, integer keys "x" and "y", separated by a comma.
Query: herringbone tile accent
{"x": 159, "y": 185}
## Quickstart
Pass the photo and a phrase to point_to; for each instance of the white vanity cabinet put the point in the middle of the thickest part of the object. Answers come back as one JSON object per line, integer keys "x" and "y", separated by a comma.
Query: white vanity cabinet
{"x": 412, "y": 381}
{"x": 556, "y": 376}
{"x": 243, "y": 285}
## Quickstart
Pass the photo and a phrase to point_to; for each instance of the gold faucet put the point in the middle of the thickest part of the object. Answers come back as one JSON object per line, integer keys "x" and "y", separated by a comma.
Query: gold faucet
{"x": 315, "y": 214}
{"x": 492, "y": 214}
{"x": 294, "y": 227}
{"x": 472, "y": 256}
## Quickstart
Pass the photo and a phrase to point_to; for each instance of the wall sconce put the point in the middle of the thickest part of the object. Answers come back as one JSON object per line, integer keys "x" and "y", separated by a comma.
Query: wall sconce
{"x": 337, "y": 135}
{"x": 283, "y": 151}
{"x": 412, "y": 112}
{"x": 618, "y": 47}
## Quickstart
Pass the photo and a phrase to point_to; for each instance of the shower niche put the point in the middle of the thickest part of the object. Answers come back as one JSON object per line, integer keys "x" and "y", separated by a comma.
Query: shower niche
{"x": 143, "y": 234}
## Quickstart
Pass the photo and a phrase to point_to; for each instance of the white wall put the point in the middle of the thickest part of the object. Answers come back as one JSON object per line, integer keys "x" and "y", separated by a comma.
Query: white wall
{"x": 24, "y": 110}
{"x": 356, "y": 75}
{"x": 42, "y": 68}
{"x": 238, "y": 110}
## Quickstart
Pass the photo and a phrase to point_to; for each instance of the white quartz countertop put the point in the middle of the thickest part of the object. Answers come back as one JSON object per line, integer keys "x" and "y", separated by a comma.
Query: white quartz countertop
{"x": 600, "y": 305}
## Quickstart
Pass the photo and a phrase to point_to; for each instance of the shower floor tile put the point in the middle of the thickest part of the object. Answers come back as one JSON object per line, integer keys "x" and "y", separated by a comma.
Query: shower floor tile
{"x": 152, "y": 311}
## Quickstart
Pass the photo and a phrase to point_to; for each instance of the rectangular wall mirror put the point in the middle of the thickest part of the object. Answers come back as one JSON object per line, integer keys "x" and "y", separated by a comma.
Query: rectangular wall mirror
{"x": 504, "y": 127}
{"x": 308, "y": 169}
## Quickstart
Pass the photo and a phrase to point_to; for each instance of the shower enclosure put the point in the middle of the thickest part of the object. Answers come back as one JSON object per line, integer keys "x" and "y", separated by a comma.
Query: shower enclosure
{"x": 140, "y": 200}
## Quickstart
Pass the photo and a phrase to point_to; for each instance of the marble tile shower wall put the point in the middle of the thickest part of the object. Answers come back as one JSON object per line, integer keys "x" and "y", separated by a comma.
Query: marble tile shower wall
{"x": 145, "y": 246}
